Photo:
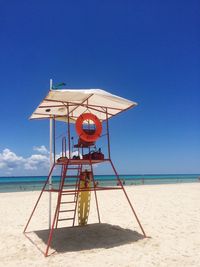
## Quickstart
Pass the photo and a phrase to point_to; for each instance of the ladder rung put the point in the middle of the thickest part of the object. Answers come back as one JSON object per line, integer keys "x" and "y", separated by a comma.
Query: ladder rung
{"x": 66, "y": 185}
{"x": 65, "y": 219}
{"x": 68, "y": 194}
{"x": 74, "y": 168}
{"x": 72, "y": 176}
{"x": 66, "y": 210}
{"x": 67, "y": 202}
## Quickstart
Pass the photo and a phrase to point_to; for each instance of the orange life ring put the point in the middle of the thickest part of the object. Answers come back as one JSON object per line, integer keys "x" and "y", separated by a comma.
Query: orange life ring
{"x": 83, "y": 134}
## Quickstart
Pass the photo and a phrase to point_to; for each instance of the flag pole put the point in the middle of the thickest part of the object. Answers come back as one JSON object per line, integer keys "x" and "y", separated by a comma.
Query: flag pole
{"x": 50, "y": 157}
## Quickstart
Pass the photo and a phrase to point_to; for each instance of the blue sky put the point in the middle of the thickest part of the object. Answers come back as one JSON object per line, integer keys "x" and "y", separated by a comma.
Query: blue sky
{"x": 146, "y": 51}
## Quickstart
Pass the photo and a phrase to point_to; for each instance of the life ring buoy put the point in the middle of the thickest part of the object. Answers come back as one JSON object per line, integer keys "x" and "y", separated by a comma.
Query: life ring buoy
{"x": 83, "y": 134}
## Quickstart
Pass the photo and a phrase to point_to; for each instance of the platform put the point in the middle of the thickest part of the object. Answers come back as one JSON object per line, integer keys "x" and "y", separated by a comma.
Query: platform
{"x": 66, "y": 161}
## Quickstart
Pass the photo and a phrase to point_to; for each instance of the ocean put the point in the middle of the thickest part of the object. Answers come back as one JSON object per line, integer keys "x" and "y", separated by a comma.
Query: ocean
{"x": 32, "y": 183}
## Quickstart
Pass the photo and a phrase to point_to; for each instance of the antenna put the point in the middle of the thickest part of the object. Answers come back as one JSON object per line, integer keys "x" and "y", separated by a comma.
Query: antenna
{"x": 51, "y": 84}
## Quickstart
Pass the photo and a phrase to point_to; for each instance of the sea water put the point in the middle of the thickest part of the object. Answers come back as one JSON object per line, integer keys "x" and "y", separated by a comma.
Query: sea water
{"x": 30, "y": 183}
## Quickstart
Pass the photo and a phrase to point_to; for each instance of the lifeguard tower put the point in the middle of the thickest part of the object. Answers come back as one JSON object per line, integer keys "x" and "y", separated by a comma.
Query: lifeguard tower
{"x": 89, "y": 110}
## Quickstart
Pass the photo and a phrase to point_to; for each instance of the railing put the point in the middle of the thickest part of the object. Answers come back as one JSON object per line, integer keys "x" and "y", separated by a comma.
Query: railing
{"x": 64, "y": 147}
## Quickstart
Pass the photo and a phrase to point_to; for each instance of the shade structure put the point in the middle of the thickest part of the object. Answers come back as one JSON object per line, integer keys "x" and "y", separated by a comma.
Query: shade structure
{"x": 59, "y": 104}
{"x": 68, "y": 105}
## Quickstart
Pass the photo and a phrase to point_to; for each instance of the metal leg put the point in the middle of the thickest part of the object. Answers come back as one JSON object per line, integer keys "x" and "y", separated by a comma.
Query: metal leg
{"x": 127, "y": 198}
{"x": 95, "y": 193}
{"x": 39, "y": 198}
{"x": 77, "y": 193}
{"x": 60, "y": 188}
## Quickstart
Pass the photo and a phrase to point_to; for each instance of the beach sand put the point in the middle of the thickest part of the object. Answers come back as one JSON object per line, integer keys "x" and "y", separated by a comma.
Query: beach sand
{"x": 170, "y": 215}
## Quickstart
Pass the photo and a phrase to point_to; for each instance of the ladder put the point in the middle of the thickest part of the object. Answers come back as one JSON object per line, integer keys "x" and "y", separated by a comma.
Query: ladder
{"x": 67, "y": 201}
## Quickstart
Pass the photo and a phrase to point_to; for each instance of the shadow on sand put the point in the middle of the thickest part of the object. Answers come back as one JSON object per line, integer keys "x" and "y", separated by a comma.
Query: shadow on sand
{"x": 89, "y": 237}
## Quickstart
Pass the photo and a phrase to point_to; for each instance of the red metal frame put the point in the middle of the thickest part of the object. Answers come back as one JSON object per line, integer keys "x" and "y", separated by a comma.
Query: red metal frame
{"x": 42, "y": 191}
{"x": 71, "y": 164}
{"x": 56, "y": 211}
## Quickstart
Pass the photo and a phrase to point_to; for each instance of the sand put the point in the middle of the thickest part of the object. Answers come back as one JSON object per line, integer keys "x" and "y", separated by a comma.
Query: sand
{"x": 170, "y": 215}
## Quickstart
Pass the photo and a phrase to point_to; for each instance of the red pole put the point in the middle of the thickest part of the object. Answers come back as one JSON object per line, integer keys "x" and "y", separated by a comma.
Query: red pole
{"x": 64, "y": 147}
{"x": 108, "y": 135}
{"x": 95, "y": 193}
{"x": 54, "y": 140}
{"x": 61, "y": 175}
{"x": 128, "y": 199}
{"x": 39, "y": 198}
{"x": 77, "y": 193}
{"x": 68, "y": 129}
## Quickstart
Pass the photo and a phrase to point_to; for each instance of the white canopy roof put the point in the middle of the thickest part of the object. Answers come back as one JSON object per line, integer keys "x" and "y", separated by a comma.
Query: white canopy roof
{"x": 59, "y": 104}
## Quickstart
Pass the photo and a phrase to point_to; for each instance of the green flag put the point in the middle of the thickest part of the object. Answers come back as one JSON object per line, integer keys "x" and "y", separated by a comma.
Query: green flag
{"x": 57, "y": 86}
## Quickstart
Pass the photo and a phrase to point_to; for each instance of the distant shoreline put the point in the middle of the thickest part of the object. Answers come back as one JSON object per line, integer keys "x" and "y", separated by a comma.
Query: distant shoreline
{"x": 35, "y": 183}
{"x": 145, "y": 174}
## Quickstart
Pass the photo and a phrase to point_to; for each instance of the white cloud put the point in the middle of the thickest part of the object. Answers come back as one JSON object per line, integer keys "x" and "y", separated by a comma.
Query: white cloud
{"x": 41, "y": 149}
{"x": 11, "y": 163}
{"x": 9, "y": 160}
{"x": 2, "y": 164}
{"x": 36, "y": 161}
